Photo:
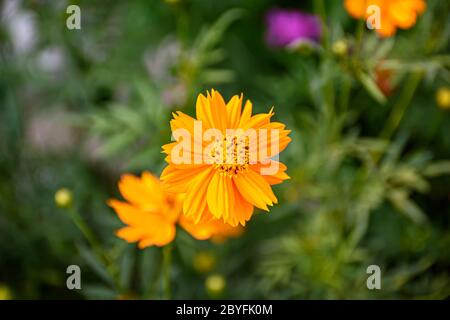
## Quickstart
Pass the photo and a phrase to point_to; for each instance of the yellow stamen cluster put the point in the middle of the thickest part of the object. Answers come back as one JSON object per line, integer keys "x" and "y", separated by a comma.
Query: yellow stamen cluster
{"x": 231, "y": 155}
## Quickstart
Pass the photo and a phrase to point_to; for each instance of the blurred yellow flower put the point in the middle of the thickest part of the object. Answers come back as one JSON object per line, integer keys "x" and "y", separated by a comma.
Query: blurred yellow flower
{"x": 393, "y": 13}
{"x": 63, "y": 198}
{"x": 204, "y": 262}
{"x": 215, "y": 284}
{"x": 443, "y": 98}
{"x": 151, "y": 214}
{"x": 222, "y": 175}
{"x": 340, "y": 48}
{"x": 5, "y": 293}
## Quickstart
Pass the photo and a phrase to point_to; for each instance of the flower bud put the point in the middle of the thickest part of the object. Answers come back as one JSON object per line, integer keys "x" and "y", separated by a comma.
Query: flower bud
{"x": 204, "y": 262}
{"x": 443, "y": 98}
{"x": 215, "y": 284}
{"x": 63, "y": 198}
{"x": 5, "y": 293}
{"x": 340, "y": 48}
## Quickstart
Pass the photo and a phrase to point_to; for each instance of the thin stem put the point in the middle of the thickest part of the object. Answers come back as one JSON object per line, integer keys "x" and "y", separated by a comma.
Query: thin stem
{"x": 167, "y": 264}
{"x": 94, "y": 243}
{"x": 320, "y": 10}
{"x": 86, "y": 231}
{"x": 345, "y": 93}
{"x": 360, "y": 35}
{"x": 399, "y": 109}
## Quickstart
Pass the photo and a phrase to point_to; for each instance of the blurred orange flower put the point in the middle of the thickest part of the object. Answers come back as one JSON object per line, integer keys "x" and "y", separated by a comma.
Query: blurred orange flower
{"x": 393, "y": 13}
{"x": 151, "y": 214}
{"x": 231, "y": 177}
{"x": 383, "y": 79}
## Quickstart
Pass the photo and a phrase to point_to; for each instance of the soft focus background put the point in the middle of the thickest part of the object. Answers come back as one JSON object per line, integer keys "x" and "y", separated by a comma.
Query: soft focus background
{"x": 369, "y": 160}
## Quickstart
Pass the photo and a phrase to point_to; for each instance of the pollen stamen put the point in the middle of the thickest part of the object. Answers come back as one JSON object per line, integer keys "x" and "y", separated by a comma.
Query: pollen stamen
{"x": 231, "y": 155}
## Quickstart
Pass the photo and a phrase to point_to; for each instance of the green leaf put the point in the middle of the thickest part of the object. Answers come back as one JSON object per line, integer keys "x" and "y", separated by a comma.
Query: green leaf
{"x": 399, "y": 198}
{"x": 371, "y": 87}
{"x": 437, "y": 168}
{"x": 96, "y": 265}
{"x": 99, "y": 292}
{"x": 126, "y": 268}
{"x": 149, "y": 261}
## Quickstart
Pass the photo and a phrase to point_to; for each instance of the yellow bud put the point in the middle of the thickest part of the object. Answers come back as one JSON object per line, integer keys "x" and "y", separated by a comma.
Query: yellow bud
{"x": 215, "y": 284}
{"x": 172, "y": 1}
{"x": 443, "y": 98}
{"x": 340, "y": 48}
{"x": 63, "y": 198}
{"x": 5, "y": 293}
{"x": 204, "y": 262}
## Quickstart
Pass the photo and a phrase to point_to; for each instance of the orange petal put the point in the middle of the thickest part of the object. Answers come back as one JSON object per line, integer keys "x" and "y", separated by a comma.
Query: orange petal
{"x": 242, "y": 212}
{"x": 402, "y": 15}
{"x": 195, "y": 199}
{"x": 146, "y": 197}
{"x": 164, "y": 235}
{"x": 246, "y": 114}
{"x": 211, "y": 110}
{"x": 200, "y": 231}
{"x": 255, "y": 189}
{"x": 130, "y": 234}
{"x": 234, "y": 107}
{"x": 257, "y": 121}
{"x": 387, "y": 27}
{"x": 356, "y": 8}
{"x": 127, "y": 213}
{"x": 220, "y": 196}
{"x": 209, "y": 228}
{"x": 276, "y": 178}
{"x": 178, "y": 180}
{"x": 219, "y": 110}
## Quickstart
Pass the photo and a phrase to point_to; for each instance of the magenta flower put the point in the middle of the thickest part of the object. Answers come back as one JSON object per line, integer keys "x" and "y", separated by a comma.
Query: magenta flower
{"x": 287, "y": 28}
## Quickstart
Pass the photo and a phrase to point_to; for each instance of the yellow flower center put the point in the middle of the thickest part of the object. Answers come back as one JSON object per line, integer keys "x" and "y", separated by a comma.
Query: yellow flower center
{"x": 231, "y": 154}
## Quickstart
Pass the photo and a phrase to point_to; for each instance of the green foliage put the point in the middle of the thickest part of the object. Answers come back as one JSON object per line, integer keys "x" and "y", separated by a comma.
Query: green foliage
{"x": 369, "y": 169}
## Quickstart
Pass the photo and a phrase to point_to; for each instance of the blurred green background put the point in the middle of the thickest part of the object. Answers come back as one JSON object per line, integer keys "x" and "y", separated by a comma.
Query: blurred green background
{"x": 80, "y": 107}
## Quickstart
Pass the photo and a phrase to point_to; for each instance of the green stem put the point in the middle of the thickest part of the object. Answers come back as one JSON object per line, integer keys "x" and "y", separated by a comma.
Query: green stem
{"x": 345, "y": 93}
{"x": 94, "y": 244}
{"x": 360, "y": 35}
{"x": 320, "y": 10}
{"x": 85, "y": 230}
{"x": 167, "y": 262}
{"x": 399, "y": 109}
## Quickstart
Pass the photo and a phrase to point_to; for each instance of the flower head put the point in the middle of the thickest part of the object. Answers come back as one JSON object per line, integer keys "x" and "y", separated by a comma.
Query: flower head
{"x": 151, "y": 214}
{"x": 443, "y": 98}
{"x": 291, "y": 27}
{"x": 393, "y": 13}
{"x": 63, "y": 198}
{"x": 228, "y": 170}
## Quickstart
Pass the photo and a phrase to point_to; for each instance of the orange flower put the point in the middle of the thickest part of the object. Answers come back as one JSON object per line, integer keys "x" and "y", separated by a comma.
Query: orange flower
{"x": 393, "y": 13}
{"x": 212, "y": 228}
{"x": 151, "y": 214}
{"x": 223, "y": 186}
